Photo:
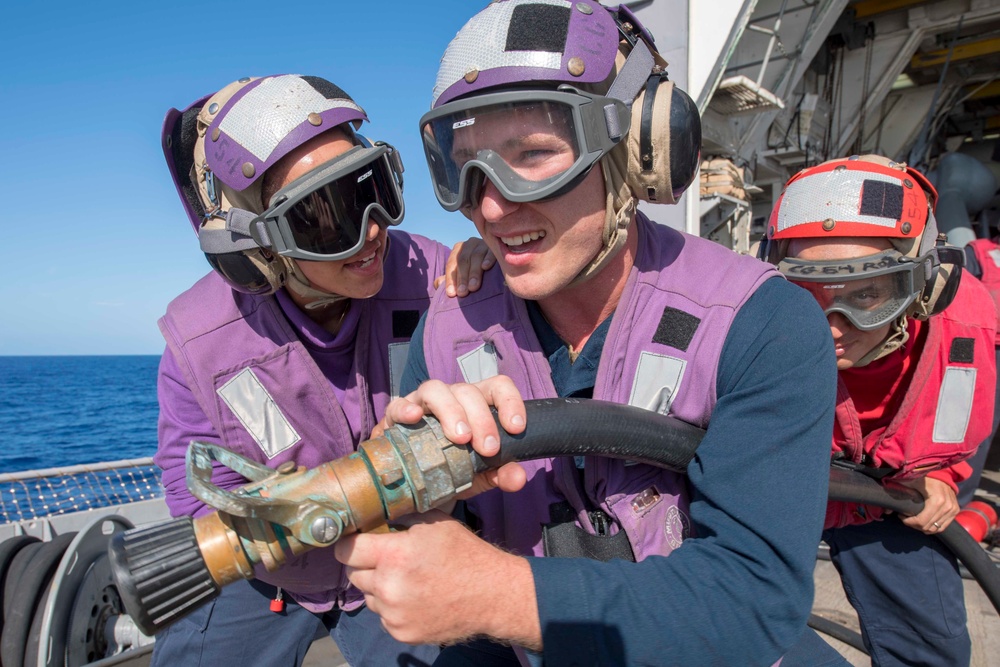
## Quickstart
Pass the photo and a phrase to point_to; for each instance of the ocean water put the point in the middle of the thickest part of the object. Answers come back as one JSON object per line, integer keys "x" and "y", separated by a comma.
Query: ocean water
{"x": 57, "y": 411}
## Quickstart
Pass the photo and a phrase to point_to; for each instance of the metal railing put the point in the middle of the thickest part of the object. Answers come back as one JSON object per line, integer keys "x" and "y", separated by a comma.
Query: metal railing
{"x": 36, "y": 494}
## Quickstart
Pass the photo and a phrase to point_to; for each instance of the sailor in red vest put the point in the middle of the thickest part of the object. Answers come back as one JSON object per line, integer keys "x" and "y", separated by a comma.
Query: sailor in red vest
{"x": 916, "y": 378}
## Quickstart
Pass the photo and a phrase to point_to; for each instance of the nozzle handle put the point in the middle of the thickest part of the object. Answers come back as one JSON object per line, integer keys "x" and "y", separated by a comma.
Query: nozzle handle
{"x": 161, "y": 573}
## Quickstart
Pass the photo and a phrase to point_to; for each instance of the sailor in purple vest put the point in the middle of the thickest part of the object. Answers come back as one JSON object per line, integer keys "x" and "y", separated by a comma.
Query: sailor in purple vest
{"x": 291, "y": 349}
{"x": 549, "y": 121}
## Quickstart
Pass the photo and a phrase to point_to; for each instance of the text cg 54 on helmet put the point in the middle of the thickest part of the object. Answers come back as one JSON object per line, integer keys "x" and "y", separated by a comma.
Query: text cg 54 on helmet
{"x": 578, "y": 71}
{"x": 219, "y": 149}
{"x": 866, "y": 197}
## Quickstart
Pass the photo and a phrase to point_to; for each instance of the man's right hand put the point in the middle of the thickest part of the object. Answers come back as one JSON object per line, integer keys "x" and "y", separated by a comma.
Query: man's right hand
{"x": 464, "y": 412}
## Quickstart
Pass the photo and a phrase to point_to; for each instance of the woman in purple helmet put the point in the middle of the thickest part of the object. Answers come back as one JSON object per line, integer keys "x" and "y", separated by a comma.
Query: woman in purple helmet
{"x": 290, "y": 350}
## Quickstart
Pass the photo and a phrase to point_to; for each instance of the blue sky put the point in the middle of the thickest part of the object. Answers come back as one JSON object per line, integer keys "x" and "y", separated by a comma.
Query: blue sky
{"x": 97, "y": 241}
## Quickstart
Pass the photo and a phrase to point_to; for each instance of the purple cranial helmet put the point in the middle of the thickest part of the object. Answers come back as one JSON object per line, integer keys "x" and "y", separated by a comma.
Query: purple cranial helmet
{"x": 269, "y": 117}
{"x": 592, "y": 74}
{"x": 220, "y": 147}
{"x": 518, "y": 41}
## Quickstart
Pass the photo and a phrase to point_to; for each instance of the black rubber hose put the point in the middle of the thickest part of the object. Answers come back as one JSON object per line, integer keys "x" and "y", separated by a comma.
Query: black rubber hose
{"x": 579, "y": 427}
{"x": 838, "y": 631}
{"x": 32, "y": 586}
{"x": 851, "y": 486}
{"x": 575, "y": 427}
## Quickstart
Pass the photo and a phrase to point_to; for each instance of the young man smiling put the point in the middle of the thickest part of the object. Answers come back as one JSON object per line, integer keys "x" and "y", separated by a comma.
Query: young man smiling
{"x": 549, "y": 121}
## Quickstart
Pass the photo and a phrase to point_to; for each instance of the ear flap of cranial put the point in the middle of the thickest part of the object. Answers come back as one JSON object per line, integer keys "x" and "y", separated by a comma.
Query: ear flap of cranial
{"x": 664, "y": 142}
{"x": 940, "y": 290}
{"x": 943, "y": 277}
{"x": 183, "y": 136}
{"x": 250, "y": 270}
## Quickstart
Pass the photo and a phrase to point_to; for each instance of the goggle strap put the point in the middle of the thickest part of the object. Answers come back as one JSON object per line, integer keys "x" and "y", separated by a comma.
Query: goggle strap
{"x": 633, "y": 74}
{"x": 235, "y": 237}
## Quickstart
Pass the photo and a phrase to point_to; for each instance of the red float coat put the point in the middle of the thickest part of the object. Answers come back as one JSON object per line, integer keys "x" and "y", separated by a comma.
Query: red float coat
{"x": 925, "y": 408}
{"x": 988, "y": 254}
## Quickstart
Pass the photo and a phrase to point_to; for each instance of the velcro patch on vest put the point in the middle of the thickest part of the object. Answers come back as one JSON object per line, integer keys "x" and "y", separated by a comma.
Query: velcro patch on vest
{"x": 962, "y": 351}
{"x": 676, "y": 328}
{"x": 404, "y": 323}
{"x": 881, "y": 199}
{"x": 538, "y": 27}
{"x": 260, "y": 415}
{"x": 995, "y": 255}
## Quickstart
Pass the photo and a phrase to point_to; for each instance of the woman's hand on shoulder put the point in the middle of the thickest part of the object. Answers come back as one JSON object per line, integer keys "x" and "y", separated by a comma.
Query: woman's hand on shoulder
{"x": 463, "y": 273}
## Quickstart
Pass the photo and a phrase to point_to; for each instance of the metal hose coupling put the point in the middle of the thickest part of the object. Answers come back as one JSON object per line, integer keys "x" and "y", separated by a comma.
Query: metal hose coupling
{"x": 163, "y": 572}
{"x": 168, "y": 570}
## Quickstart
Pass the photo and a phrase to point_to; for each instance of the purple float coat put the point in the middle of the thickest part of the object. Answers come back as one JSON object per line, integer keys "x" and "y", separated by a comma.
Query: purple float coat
{"x": 223, "y": 342}
{"x": 661, "y": 353}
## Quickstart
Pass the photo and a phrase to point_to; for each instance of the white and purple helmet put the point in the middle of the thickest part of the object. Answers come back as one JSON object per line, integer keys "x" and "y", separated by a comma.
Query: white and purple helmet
{"x": 594, "y": 70}
{"x": 219, "y": 148}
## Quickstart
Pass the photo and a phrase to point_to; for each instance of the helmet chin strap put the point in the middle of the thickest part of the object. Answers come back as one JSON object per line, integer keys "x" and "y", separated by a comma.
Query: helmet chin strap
{"x": 619, "y": 211}
{"x": 897, "y": 337}
{"x": 300, "y": 285}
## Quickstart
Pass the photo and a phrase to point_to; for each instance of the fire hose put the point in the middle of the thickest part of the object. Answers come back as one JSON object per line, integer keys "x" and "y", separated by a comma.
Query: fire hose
{"x": 165, "y": 571}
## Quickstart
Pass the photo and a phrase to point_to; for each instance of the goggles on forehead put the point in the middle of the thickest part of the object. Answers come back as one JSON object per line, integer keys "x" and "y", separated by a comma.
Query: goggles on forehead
{"x": 324, "y": 214}
{"x": 531, "y": 144}
{"x": 869, "y": 291}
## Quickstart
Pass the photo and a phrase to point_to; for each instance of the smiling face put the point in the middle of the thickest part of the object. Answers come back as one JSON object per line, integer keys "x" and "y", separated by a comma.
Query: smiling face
{"x": 851, "y": 343}
{"x": 541, "y": 246}
{"x": 356, "y": 277}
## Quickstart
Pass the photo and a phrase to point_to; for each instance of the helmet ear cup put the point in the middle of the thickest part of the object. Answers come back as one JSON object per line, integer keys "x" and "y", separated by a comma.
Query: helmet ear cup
{"x": 250, "y": 271}
{"x": 942, "y": 285}
{"x": 664, "y": 142}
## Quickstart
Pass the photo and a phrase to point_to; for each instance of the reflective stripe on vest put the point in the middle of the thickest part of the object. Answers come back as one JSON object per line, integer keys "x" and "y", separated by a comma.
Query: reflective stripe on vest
{"x": 656, "y": 381}
{"x": 259, "y": 414}
{"x": 654, "y": 387}
{"x": 397, "y": 363}
{"x": 954, "y": 407}
{"x": 480, "y": 364}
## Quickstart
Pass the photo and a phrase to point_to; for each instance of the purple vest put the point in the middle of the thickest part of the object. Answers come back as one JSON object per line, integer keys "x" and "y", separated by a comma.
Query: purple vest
{"x": 661, "y": 353}
{"x": 269, "y": 401}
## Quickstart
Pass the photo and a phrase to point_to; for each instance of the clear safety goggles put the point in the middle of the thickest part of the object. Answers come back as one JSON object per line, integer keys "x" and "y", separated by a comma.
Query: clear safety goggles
{"x": 869, "y": 291}
{"x": 531, "y": 144}
{"x": 324, "y": 214}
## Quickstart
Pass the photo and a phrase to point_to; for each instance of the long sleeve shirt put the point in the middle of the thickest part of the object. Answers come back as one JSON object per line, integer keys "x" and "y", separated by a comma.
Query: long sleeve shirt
{"x": 741, "y": 590}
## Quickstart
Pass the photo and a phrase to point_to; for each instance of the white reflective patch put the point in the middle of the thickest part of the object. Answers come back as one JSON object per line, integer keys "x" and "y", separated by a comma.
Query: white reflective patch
{"x": 656, "y": 381}
{"x": 480, "y": 364}
{"x": 480, "y": 46}
{"x": 259, "y": 414}
{"x": 397, "y": 362}
{"x": 832, "y": 194}
{"x": 995, "y": 256}
{"x": 264, "y": 123}
{"x": 954, "y": 408}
